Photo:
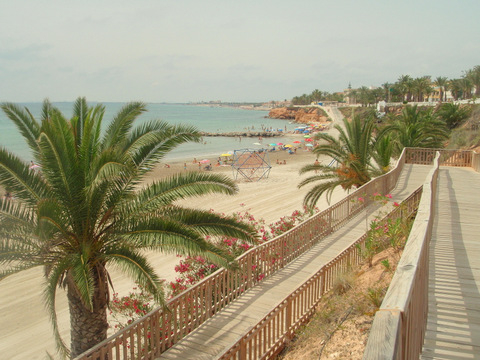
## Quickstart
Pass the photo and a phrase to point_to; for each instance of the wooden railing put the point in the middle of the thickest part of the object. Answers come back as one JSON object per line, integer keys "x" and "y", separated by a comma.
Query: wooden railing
{"x": 161, "y": 328}
{"x": 421, "y": 156}
{"x": 399, "y": 326}
{"x": 269, "y": 336}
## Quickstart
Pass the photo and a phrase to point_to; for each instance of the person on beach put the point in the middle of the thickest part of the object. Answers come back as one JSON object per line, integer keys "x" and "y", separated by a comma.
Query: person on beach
{"x": 316, "y": 163}
{"x": 194, "y": 160}
{"x": 185, "y": 166}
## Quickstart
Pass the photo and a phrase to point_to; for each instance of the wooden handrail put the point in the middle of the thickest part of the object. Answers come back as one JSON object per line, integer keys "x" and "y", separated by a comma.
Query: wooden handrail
{"x": 162, "y": 327}
{"x": 399, "y": 326}
{"x": 279, "y": 325}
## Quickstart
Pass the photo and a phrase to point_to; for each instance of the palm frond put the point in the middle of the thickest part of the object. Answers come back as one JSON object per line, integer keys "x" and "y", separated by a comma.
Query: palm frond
{"x": 82, "y": 276}
{"x": 209, "y": 223}
{"x": 121, "y": 124}
{"x": 53, "y": 280}
{"x": 24, "y": 121}
{"x": 169, "y": 236}
{"x": 178, "y": 187}
{"x": 136, "y": 266}
{"x": 16, "y": 176}
{"x": 148, "y": 148}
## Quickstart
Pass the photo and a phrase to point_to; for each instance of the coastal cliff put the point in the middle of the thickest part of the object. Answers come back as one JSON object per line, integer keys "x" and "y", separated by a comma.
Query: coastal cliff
{"x": 300, "y": 115}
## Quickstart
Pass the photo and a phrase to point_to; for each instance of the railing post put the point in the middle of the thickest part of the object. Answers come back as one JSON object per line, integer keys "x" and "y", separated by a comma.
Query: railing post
{"x": 249, "y": 272}
{"x": 288, "y": 320}
{"x": 208, "y": 299}
{"x": 243, "y": 349}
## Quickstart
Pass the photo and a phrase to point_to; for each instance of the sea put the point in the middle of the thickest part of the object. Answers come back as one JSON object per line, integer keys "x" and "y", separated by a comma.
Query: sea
{"x": 204, "y": 118}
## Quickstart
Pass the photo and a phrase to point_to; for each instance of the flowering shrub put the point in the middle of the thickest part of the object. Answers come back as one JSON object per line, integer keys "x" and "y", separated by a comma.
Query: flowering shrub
{"x": 380, "y": 235}
{"x": 192, "y": 269}
{"x": 288, "y": 222}
{"x": 127, "y": 309}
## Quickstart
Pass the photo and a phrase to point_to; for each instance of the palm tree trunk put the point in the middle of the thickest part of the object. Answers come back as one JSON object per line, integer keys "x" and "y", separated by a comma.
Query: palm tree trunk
{"x": 87, "y": 328}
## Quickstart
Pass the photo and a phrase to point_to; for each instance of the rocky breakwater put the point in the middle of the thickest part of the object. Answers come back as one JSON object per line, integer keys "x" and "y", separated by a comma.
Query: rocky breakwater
{"x": 300, "y": 115}
{"x": 245, "y": 134}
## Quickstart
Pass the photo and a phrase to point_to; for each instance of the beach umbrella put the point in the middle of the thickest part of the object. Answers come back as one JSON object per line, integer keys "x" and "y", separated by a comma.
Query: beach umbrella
{"x": 288, "y": 145}
{"x": 297, "y": 142}
{"x": 309, "y": 139}
{"x": 306, "y": 136}
{"x": 272, "y": 144}
{"x": 308, "y": 144}
{"x": 279, "y": 143}
{"x": 204, "y": 161}
{"x": 226, "y": 154}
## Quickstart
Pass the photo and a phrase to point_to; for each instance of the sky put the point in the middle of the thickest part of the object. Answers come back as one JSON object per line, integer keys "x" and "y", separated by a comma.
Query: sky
{"x": 233, "y": 51}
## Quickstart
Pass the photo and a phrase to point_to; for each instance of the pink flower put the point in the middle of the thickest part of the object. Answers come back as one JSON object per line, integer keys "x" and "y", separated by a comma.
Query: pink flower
{"x": 396, "y": 204}
{"x": 388, "y": 196}
{"x": 361, "y": 199}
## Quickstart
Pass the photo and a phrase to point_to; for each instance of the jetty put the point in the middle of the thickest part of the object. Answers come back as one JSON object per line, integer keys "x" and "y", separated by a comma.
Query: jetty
{"x": 256, "y": 134}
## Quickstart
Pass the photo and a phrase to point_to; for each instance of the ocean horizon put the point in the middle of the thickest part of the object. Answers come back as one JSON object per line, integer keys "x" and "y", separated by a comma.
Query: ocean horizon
{"x": 205, "y": 118}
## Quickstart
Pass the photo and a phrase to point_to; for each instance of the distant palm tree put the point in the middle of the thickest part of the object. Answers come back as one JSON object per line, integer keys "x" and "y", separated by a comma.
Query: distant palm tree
{"x": 455, "y": 86}
{"x": 474, "y": 77}
{"x": 421, "y": 87}
{"x": 352, "y": 150}
{"x": 466, "y": 86}
{"x": 86, "y": 209}
{"x": 404, "y": 85}
{"x": 387, "y": 91}
{"x": 415, "y": 128}
{"x": 316, "y": 95}
{"x": 441, "y": 82}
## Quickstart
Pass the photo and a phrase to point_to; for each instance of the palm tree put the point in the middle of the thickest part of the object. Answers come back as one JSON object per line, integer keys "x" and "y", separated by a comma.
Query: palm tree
{"x": 453, "y": 114}
{"x": 387, "y": 91}
{"x": 466, "y": 86}
{"x": 455, "y": 86}
{"x": 316, "y": 95}
{"x": 441, "y": 82}
{"x": 421, "y": 87}
{"x": 474, "y": 76}
{"x": 404, "y": 85}
{"x": 352, "y": 151}
{"x": 86, "y": 209}
{"x": 416, "y": 128}
{"x": 383, "y": 153}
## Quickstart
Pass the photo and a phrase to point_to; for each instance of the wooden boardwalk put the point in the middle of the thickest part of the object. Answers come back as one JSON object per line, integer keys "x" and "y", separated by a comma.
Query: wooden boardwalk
{"x": 453, "y": 323}
{"x": 220, "y": 332}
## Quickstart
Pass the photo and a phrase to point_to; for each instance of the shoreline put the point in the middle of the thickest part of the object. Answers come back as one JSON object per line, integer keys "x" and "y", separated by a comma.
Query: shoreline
{"x": 268, "y": 199}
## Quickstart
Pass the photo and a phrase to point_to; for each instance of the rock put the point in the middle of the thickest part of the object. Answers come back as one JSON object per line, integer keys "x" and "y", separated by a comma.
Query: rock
{"x": 301, "y": 115}
{"x": 282, "y": 113}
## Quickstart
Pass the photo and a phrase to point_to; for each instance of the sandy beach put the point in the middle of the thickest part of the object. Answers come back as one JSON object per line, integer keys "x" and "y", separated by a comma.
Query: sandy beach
{"x": 25, "y": 330}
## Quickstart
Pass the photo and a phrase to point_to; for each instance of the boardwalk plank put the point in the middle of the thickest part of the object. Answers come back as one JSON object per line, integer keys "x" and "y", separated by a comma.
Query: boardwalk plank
{"x": 453, "y": 323}
{"x": 238, "y": 317}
